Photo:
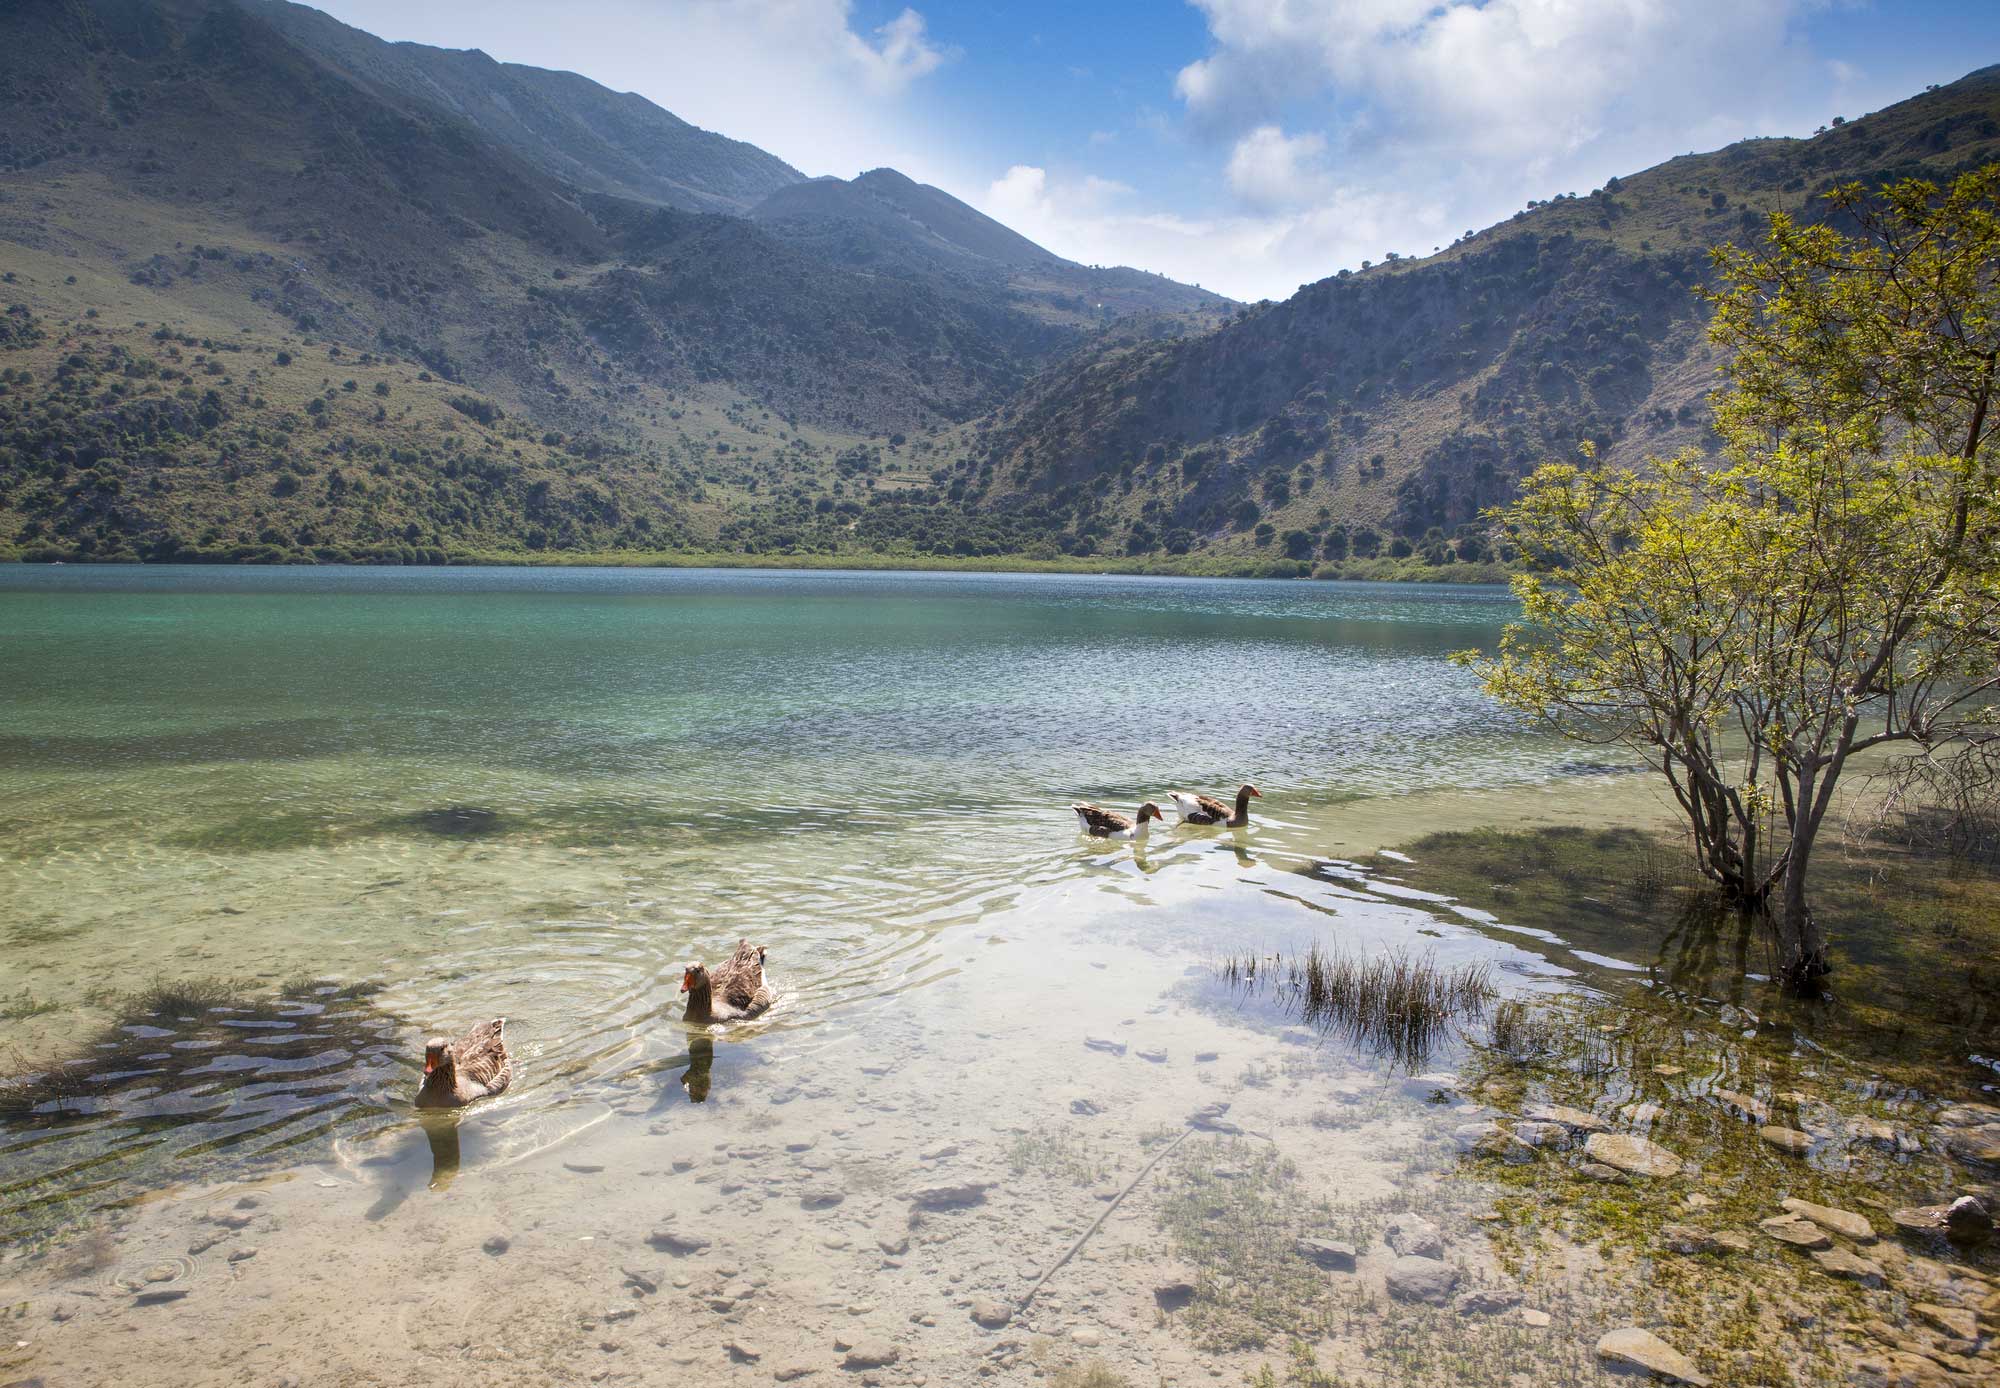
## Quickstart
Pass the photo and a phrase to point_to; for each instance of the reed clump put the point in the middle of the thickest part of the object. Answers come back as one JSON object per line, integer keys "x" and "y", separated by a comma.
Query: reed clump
{"x": 1401, "y": 1003}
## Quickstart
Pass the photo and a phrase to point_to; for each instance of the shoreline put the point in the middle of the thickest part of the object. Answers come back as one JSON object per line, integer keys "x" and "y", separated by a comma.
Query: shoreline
{"x": 1411, "y": 570}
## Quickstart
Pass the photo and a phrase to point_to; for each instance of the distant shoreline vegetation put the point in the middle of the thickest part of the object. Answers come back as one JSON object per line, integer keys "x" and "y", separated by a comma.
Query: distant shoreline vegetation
{"x": 1411, "y": 570}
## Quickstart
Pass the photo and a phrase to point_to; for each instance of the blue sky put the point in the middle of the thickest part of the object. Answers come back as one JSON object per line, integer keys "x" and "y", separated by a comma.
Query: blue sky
{"x": 1247, "y": 145}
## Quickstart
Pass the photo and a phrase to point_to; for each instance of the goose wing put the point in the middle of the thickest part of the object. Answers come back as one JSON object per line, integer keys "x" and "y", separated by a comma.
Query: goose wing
{"x": 481, "y": 1056}
{"x": 1100, "y": 823}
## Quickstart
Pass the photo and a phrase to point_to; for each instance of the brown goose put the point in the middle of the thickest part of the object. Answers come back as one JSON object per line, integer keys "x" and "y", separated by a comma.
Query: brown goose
{"x": 739, "y": 978}
{"x": 476, "y": 1066}
{"x": 1206, "y": 809}
{"x": 703, "y": 1006}
{"x": 1108, "y": 824}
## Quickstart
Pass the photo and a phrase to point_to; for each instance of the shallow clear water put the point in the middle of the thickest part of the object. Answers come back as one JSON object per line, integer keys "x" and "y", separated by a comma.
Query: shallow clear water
{"x": 367, "y": 805}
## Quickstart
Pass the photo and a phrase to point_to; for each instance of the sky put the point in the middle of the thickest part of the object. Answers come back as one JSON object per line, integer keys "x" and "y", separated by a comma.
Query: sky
{"x": 1248, "y": 146}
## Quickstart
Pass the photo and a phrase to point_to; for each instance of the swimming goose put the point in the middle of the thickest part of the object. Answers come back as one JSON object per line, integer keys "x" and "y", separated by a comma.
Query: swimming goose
{"x": 703, "y": 1006}
{"x": 1108, "y": 824}
{"x": 475, "y": 1066}
{"x": 1206, "y": 809}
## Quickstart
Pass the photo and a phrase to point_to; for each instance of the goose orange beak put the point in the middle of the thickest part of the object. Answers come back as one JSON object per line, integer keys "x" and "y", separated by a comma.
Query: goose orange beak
{"x": 429, "y": 1065}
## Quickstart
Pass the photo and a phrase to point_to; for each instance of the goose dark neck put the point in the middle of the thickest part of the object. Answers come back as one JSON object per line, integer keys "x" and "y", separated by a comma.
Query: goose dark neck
{"x": 701, "y": 1002}
{"x": 1242, "y": 815}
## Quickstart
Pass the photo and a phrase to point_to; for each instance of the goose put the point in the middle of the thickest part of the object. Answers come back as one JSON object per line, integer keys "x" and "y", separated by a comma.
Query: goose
{"x": 1206, "y": 809}
{"x": 1108, "y": 824}
{"x": 704, "y": 1007}
{"x": 476, "y": 1066}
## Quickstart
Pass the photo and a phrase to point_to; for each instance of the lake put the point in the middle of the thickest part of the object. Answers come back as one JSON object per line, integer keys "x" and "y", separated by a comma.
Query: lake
{"x": 320, "y": 814}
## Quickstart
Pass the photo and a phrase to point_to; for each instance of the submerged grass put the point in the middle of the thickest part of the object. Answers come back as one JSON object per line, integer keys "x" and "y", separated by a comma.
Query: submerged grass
{"x": 1399, "y": 1004}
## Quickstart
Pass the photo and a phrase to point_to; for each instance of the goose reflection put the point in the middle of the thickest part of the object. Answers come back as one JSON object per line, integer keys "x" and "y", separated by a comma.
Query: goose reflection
{"x": 701, "y": 1060}
{"x": 441, "y": 1130}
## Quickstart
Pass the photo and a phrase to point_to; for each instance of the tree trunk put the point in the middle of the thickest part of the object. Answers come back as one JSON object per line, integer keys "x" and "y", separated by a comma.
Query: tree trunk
{"x": 1801, "y": 947}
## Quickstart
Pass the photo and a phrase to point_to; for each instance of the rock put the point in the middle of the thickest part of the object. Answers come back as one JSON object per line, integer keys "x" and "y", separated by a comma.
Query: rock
{"x": 821, "y": 1197}
{"x": 1756, "y": 1110}
{"x": 1100, "y": 1043}
{"x": 742, "y": 1351}
{"x": 949, "y": 1197}
{"x": 1668, "y": 1071}
{"x": 1878, "y": 1133}
{"x": 1838, "y": 1262}
{"x": 1469, "y": 1136}
{"x": 1413, "y": 1236}
{"x": 1487, "y": 1303}
{"x": 1798, "y": 1233}
{"x": 1968, "y": 1220}
{"x": 1086, "y": 1108}
{"x": 1919, "y": 1221}
{"x": 1206, "y": 1057}
{"x": 1790, "y": 1141}
{"x": 1328, "y": 1254}
{"x": 670, "y": 1240}
{"x": 1503, "y": 1146}
{"x": 1954, "y": 1321}
{"x": 939, "y": 1152}
{"x": 785, "y": 1373}
{"x": 990, "y": 1313}
{"x": 644, "y": 1284}
{"x": 1550, "y": 1135}
{"x": 1598, "y": 1171}
{"x": 242, "y": 1255}
{"x": 870, "y": 1352}
{"x": 159, "y": 1298}
{"x": 1580, "y": 1120}
{"x": 496, "y": 1245}
{"x": 1421, "y": 1279}
{"x": 1641, "y": 1349}
{"x": 893, "y": 1244}
{"x": 204, "y": 1243}
{"x": 1641, "y": 1115}
{"x": 1538, "y": 1320}
{"x": 1897, "y": 1371}
{"x": 583, "y": 1168}
{"x": 1157, "y": 1056}
{"x": 1087, "y": 1336}
{"x": 1685, "y": 1238}
{"x": 1637, "y": 1156}
{"x": 1843, "y": 1222}
{"x": 1969, "y": 1116}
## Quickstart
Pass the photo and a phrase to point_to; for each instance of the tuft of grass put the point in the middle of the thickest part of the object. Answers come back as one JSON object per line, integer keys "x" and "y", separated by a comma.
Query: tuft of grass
{"x": 1399, "y": 1004}
{"x": 1095, "y": 1374}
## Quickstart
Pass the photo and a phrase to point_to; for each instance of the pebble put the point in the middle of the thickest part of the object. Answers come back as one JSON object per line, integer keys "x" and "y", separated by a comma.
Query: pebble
{"x": 242, "y": 1255}
{"x": 1638, "y": 1156}
{"x": 1100, "y": 1043}
{"x": 1843, "y": 1222}
{"x": 1327, "y": 1253}
{"x": 1838, "y": 1262}
{"x": 1538, "y": 1320}
{"x": 1641, "y": 1349}
{"x": 496, "y": 1245}
{"x": 821, "y": 1198}
{"x": 1086, "y": 1336}
{"x": 990, "y": 1313}
{"x": 1581, "y": 1120}
{"x": 870, "y": 1352}
{"x": 1421, "y": 1279}
{"x": 1085, "y": 1108}
{"x": 1799, "y": 1233}
{"x": 785, "y": 1373}
{"x": 680, "y": 1245}
{"x": 742, "y": 1351}
{"x": 1413, "y": 1236}
{"x": 1487, "y": 1303}
{"x": 1756, "y": 1110}
{"x": 1788, "y": 1140}
{"x": 1157, "y": 1057}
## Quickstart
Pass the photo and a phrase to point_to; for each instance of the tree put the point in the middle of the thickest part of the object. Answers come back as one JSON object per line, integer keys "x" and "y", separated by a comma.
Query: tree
{"x": 1831, "y": 585}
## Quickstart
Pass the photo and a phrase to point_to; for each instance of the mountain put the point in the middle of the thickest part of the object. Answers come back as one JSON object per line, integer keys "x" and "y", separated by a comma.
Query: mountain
{"x": 565, "y": 125}
{"x": 1386, "y": 409}
{"x": 535, "y": 312}
{"x": 273, "y": 289}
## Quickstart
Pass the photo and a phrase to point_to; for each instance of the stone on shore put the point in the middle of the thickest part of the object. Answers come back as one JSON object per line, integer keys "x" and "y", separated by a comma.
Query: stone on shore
{"x": 1327, "y": 1253}
{"x": 1846, "y": 1223}
{"x": 1790, "y": 1141}
{"x": 871, "y": 1352}
{"x": 1754, "y": 1109}
{"x": 1641, "y": 1349}
{"x": 1799, "y": 1233}
{"x": 1421, "y": 1279}
{"x": 1637, "y": 1156}
{"x": 1413, "y": 1236}
{"x": 670, "y": 1240}
{"x": 1578, "y": 1119}
{"x": 1838, "y": 1262}
{"x": 991, "y": 1314}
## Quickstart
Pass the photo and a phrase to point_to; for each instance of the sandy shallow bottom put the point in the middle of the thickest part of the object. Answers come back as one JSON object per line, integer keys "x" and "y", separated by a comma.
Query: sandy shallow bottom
{"x": 1010, "y": 1166}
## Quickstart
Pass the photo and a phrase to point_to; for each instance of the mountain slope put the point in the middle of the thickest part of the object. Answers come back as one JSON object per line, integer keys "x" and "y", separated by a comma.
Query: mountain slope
{"x": 1388, "y": 408}
{"x": 565, "y": 125}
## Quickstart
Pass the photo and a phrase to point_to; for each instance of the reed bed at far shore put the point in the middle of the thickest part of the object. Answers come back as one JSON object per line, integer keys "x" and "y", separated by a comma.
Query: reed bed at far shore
{"x": 1400, "y": 1004}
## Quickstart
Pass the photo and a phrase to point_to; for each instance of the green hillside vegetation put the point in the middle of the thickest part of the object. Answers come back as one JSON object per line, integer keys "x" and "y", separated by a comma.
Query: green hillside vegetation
{"x": 575, "y": 326}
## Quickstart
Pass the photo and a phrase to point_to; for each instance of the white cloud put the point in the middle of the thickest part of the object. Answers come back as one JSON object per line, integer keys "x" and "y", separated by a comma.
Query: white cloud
{"x": 1270, "y": 169}
{"x": 795, "y": 77}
